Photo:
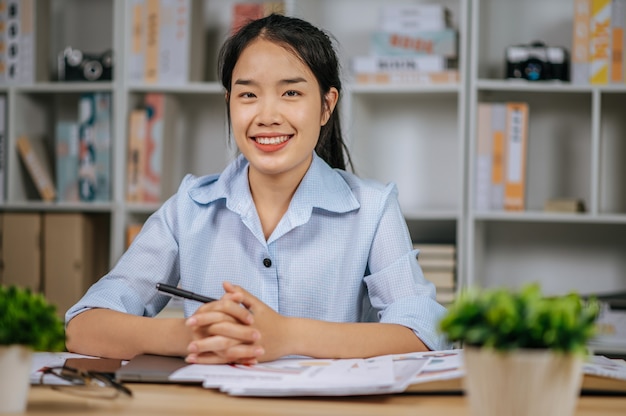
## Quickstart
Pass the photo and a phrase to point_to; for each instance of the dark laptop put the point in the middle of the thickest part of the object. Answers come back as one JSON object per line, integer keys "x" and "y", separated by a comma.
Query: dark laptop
{"x": 147, "y": 368}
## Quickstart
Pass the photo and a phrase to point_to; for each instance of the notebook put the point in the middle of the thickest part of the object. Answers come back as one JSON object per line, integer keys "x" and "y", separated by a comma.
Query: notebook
{"x": 149, "y": 368}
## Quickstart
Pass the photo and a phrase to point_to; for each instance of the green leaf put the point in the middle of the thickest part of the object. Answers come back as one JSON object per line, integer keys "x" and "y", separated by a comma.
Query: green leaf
{"x": 26, "y": 318}
{"x": 503, "y": 319}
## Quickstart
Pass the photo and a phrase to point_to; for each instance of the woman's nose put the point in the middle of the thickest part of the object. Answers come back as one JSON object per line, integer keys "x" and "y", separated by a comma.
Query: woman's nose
{"x": 269, "y": 112}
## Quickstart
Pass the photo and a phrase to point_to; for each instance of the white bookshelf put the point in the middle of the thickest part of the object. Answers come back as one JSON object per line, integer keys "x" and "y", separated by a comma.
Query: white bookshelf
{"x": 420, "y": 137}
{"x": 576, "y": 149}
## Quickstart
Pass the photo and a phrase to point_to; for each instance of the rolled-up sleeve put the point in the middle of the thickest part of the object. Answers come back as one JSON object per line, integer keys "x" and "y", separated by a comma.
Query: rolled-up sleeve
{"x": 396, "y": 285}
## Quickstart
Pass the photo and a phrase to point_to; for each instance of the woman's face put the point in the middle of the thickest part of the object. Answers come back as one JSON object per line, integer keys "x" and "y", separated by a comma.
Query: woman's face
{"x": 276, "y": 110}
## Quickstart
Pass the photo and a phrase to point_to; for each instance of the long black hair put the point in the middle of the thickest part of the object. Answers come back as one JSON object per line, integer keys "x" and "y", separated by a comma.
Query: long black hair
{"x": 314, "y": 47}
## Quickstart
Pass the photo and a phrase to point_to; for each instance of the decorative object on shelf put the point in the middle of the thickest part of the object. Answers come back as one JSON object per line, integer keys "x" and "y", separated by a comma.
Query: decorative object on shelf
{"x": 27, "y": 323}
{"x": 523, "y": 351}
{"x": 564, "y": 205}
{"x": 76, "y": 65}
{"x": 537, "y": 62}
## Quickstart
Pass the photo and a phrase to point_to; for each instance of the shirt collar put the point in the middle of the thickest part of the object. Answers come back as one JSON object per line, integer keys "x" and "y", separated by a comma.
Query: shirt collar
{"x": 322, "y": 187}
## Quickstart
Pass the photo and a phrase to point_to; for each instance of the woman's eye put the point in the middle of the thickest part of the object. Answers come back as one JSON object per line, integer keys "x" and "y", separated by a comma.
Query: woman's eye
{"x": 292, "y": 93}
{"x": 247, "y": 95}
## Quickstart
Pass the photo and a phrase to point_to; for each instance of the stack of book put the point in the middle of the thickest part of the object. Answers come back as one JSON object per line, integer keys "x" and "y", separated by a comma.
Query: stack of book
{"x": 77, "y": 167}
{"x": 598, "y": 39}
{"x": 438, "y": 262}
{"x": 152, "y": 136}
{"x": 501, "y": 143}
{"x": 167, "y": 43}
{"x": 414, "y": 44}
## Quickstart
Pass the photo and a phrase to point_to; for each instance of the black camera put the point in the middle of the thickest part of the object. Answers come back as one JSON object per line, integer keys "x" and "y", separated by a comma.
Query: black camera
{"x": 537, "y": 62}
{"x": 75, "y": 65}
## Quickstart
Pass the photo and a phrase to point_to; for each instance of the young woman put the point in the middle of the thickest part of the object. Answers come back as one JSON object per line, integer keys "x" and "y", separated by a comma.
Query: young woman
{"x": 305, "y": 258}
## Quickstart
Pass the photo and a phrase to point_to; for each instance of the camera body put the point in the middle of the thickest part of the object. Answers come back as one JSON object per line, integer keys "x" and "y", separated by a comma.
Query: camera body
{"x": 75, "y": 65}
{"x": 537, "y": 62}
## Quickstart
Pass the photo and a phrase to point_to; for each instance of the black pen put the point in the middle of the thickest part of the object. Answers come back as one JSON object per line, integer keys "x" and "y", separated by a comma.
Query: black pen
{"x": 185, "y": 294}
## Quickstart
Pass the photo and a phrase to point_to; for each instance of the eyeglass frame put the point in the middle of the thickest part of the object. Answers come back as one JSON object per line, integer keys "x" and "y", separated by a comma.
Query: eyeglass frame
{"x": 77, "y": 377}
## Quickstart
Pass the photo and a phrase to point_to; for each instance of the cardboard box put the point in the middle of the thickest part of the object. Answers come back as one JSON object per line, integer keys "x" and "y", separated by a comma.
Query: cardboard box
{"x": 76, "y": 254}
{"x": 21, "y": 246}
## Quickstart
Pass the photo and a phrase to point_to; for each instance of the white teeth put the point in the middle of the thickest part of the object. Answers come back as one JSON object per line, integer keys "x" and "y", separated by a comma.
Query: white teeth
{"x": 272, "y": 140}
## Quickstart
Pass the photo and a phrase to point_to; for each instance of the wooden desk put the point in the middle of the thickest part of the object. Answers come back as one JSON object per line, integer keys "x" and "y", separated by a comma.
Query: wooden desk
{"x": 155, "y": 400}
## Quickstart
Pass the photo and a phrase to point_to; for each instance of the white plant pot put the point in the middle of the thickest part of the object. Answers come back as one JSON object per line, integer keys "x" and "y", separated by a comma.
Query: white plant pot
{"x": 522, "y": 383}
{"x": 15, "y": 365}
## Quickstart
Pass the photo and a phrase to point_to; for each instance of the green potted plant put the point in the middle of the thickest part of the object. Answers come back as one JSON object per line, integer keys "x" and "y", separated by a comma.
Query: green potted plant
{"x": 523, "y": 352}
{"x": 27, "y": 323}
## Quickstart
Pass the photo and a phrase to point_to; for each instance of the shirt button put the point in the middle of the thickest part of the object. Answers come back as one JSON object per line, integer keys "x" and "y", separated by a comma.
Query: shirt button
{"x": 267, "y": 262}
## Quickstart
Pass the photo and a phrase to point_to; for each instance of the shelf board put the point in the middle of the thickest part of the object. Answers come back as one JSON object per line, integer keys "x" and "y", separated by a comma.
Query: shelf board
{"x": 540, "y": 216}
{"x": 404, "y": 89}
{"x": 41, "y": 206}
{"x": 142, "y": 208}
{"x": 64, "y": 87}
{"x": 431, "y": 214}
{"x": 190, "y": 88}
{"x": 545, "y": 86}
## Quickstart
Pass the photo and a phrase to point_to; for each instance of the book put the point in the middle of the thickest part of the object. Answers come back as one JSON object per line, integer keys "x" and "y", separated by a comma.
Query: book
{"x": 160, "y": 140}
{"x": 26, "y": 34}
{"x": 102, "y": 144}
{"x": 407, "y": 77}
{"x": 3, "y": 42}
{"x": 440, "y": 251}
{"x": 482, "y": 201}
{"x": 151, "y": 62}
{"x": 442, "y": 279}
{"x": 21, "y": 249}
{"x": 66, "y": 160}
{"x": 618, "y": 21}
{"x": 600, "y": 40}
{"x": 94, "y": 138}
{"x": 36, "y": 158}
{"x": 430, "y": 263}
{"x": 137, "y": 125}
{"x": 75, "y": 255}
{"x": 137, "y": 50}
{"x": 445, "y": 296}
{"x": 436, "y": 42}
{"x": 498, "y": 160}
{"x": 581, "y": 42}
{"x": 412, "y": 18}
{"x": 375, "y": 64}
{"x": 517, "y": 137}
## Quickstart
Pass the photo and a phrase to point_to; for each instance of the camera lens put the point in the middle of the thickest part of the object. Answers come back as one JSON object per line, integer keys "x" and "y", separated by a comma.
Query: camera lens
{"x": 92, "y": 70}
{"x": 533, "y": 69}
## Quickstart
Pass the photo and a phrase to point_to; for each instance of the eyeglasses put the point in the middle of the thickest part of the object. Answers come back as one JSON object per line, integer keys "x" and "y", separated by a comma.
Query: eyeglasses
{"x": 90, "y": 384}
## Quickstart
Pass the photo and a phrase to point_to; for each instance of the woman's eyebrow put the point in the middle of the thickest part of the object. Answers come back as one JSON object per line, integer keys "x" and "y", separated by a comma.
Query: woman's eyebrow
{"x": 287, "y": 81}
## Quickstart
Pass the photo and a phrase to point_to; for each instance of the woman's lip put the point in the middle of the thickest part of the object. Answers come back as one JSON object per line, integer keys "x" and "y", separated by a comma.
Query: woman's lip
{"x": 269, "y": 147}
{"x": 274, "y": 139}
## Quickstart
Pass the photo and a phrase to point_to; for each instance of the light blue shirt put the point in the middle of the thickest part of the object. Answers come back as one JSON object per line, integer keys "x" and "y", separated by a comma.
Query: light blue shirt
{"x": 341, "y": 253}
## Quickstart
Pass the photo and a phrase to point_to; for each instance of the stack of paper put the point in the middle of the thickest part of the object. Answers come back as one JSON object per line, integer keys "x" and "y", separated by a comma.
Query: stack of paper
{"x": 312, "y": 377}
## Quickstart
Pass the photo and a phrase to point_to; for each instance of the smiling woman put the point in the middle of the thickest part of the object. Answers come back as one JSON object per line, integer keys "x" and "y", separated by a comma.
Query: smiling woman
{"x": 320, "y": 259}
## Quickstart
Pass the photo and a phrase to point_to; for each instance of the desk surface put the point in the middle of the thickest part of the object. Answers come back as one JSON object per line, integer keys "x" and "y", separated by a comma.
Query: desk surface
{"x": 154, "y": 400}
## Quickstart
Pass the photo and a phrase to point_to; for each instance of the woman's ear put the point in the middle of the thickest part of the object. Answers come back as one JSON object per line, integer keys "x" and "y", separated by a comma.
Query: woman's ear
{"x": 227, "y": 97}
{"x": 330, "y": 101}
